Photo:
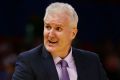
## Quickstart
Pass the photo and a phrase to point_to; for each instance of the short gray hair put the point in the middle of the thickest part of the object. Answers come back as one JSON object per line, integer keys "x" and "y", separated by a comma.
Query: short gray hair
{"x": 64, "y": 7}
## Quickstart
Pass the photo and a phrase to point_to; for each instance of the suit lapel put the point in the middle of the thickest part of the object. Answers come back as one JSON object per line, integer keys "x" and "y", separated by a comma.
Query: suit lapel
{"x": 80, "y": 64}
{"x": 49, "y": 65}
{"x": 50, "y": 68}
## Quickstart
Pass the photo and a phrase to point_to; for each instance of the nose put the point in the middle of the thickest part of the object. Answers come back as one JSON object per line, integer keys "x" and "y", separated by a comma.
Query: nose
{"x": 52, "y": 33}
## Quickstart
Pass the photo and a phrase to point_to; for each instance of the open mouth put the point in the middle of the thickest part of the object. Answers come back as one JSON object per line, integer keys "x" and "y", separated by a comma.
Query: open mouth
{"x": 52, "y": 42}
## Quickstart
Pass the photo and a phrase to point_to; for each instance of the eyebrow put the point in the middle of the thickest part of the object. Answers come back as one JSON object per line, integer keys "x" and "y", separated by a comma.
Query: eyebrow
{"x": 60, "y": 25}
{"x": 46, "y": 24}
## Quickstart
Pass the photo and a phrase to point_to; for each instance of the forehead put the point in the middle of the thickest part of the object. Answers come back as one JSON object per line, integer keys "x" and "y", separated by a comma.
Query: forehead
{"x": 58, "y": 18}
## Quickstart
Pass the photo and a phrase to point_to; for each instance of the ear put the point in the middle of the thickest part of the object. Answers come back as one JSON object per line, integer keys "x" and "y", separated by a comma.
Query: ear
{"x": 74, "y": 32}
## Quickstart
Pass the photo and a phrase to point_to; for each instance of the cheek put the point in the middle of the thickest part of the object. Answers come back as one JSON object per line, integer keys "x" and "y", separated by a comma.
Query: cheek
{"x": 45, "y": 33}
{"x": 67, "y": 37}
{"x": 64, "y": 37}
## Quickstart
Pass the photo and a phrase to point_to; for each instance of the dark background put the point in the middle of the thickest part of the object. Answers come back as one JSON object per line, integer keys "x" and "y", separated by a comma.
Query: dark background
{"x": 21, "y": 28}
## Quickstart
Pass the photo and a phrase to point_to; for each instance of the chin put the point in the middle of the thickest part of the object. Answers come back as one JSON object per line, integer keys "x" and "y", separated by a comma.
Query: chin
{"x": 51, "y": 49}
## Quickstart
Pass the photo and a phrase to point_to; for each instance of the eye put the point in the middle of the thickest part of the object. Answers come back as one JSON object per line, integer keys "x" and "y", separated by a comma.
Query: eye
{"x": 48, "y": 27}
{"x": 59, "y": 29}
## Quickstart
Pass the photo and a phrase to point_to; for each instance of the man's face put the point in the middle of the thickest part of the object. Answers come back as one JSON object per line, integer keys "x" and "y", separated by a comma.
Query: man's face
{"x": 58, "y": 34}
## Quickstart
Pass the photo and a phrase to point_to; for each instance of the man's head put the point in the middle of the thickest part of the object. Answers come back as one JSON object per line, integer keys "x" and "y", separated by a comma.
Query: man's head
{"x": 60, "y": 28}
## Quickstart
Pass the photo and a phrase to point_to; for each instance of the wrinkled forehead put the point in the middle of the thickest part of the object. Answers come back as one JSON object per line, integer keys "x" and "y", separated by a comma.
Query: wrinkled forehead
{"x": 57, "y": 17}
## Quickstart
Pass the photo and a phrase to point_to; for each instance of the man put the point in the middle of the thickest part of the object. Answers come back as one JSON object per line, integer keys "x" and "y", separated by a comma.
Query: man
{"x": 56, "y": 59}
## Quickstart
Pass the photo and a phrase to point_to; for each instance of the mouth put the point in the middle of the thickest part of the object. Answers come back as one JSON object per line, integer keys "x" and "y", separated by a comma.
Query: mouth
{"x": 52, "y": 42}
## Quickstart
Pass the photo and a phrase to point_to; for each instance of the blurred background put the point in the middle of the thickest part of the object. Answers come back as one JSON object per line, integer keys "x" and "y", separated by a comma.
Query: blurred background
{"x": 21, "y": 28}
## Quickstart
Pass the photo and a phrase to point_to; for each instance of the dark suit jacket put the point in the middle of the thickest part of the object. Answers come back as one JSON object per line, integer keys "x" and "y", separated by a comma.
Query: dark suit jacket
{"x": 38, "y": 64}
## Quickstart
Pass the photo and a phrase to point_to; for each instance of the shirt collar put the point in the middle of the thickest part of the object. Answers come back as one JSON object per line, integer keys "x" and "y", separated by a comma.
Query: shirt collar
{"x": 68, "y": 58}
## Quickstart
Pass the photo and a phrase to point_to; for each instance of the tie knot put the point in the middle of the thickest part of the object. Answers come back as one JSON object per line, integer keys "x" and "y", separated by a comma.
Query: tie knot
{"x": 63, "y": 63}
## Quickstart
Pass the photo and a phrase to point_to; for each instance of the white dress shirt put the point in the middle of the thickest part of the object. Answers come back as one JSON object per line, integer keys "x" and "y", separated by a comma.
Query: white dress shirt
{"x": 71, "y": 66}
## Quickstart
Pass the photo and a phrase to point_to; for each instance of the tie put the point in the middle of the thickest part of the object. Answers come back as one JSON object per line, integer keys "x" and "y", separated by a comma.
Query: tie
{"x": 64, "y": 66}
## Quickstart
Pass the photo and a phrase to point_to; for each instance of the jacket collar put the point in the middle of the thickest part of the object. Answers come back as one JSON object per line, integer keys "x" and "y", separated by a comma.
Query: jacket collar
{"x": 49, "y": 65}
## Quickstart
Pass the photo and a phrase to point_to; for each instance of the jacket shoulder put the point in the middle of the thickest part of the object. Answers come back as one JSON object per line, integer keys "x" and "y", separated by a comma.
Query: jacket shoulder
{"x": 85, "y": 53}
{"x": 31, "y": 53}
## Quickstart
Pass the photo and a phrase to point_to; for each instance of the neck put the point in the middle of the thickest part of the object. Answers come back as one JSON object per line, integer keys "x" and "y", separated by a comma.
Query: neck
{"x": 62, "y": 54}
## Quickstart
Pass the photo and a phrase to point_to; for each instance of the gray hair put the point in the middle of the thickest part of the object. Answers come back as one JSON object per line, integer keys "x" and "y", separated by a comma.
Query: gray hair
{"x": 64, "y": 7}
